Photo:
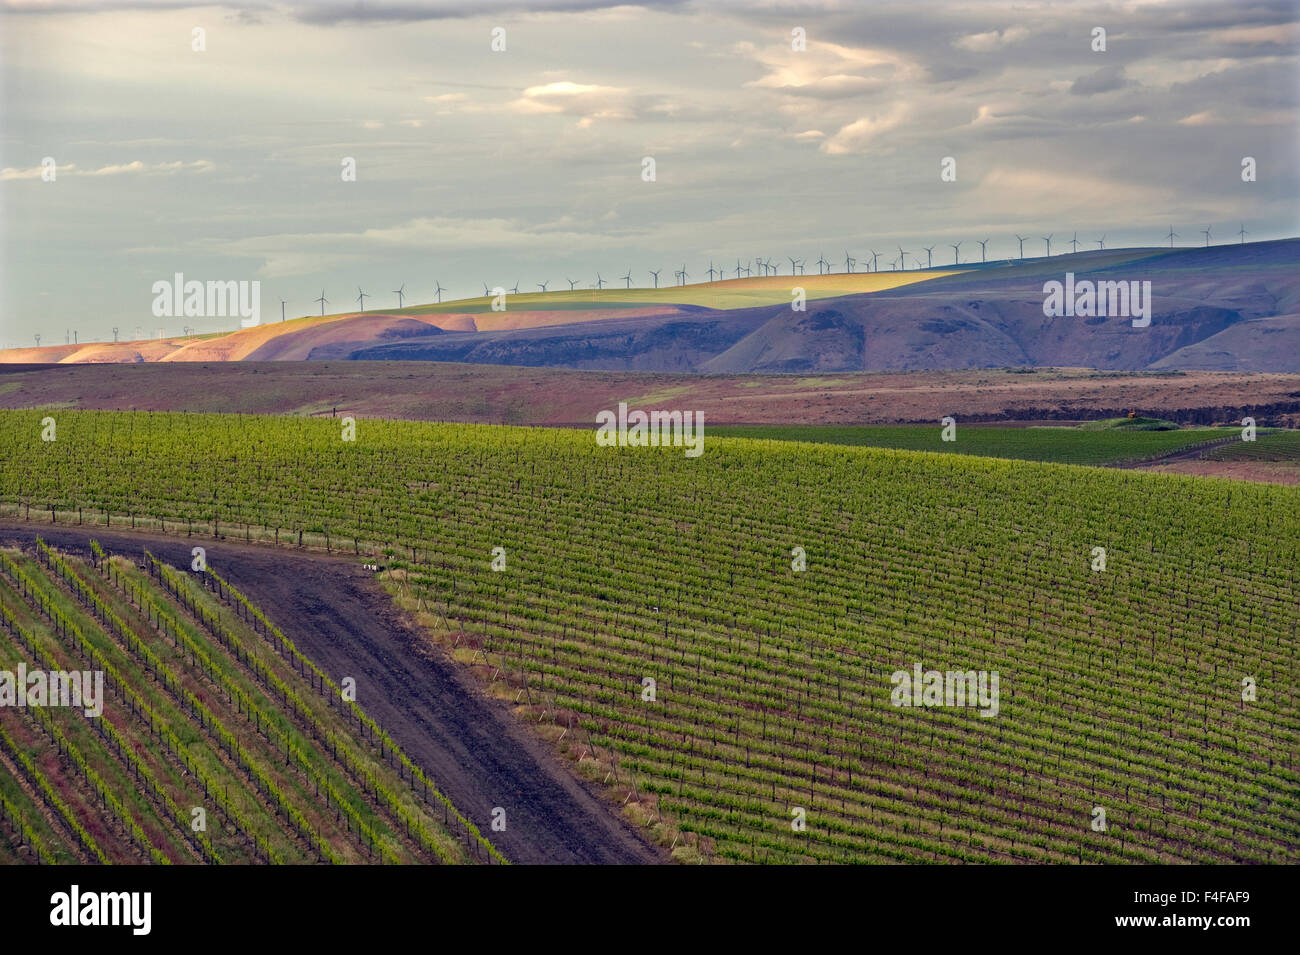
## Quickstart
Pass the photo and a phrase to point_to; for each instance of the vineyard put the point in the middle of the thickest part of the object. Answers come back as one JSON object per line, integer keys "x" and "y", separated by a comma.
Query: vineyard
{"x": 217, "y": 742}
{"x": 1059, "y": 445}
{"x": 715, "y": 637}
{"x": 1281, "y": 446}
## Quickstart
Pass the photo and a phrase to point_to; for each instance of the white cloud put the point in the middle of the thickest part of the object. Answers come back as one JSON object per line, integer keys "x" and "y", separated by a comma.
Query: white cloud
{"x": 861, "y": 134}
{"x": 133, "y": 167}
{"x": 992, "y": 40}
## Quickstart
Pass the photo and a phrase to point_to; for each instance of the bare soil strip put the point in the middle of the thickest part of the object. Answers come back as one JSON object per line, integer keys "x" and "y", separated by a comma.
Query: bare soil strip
{"x": 470, "y": 745}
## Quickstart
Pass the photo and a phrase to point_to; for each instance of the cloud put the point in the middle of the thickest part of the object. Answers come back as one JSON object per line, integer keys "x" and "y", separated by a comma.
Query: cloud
{"x": 310, "y": 253}
{"x": 859, "y": 136}
{"x": 1104, "y": 80}
{"x": 587, "y": 101}
{"x": 134, "y": 167}
{"x": 828, "y": 70}
{"x": 992, "y": 40}
{"x": 1205, "y": 118}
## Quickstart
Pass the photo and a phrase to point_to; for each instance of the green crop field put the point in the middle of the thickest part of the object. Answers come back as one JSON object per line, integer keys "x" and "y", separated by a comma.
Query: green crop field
{"x": 722, "y": 294}
{"x": 1060, "y": 445}
{"x": 214, "y": 741}
{"x": 1283, "y": 446}
{"x": 772, "y": 591}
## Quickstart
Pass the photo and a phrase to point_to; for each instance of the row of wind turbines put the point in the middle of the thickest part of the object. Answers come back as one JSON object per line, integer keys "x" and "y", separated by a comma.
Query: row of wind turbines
{"x": 773, "y": 266}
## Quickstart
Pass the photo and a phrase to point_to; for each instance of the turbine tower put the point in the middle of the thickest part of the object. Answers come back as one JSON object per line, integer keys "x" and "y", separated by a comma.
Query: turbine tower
{"x": 794, "y": 263}
{"x": 361, "y": 297}
{"x": 875, "y": 267}
{"x": 655, "y": 273}
{"x": 821, "y": 261}
{"x": 1074, "y": 243}
{"x": 323, "y": 301}
{"x": 542, "y": 285}
{"x": 1243, "y": 233}
{"x": 849, "y": 262}
{"x": 929, "y": 255}
{"x": 1101, "y": 243}
{"x": 281, "y": 309}
{"x": 1171, "y": 236}
{"x": 984, "y": 243}
{"x": 902, "y": 258}
{"x": 1048, "y": 239}
{"x": 1022, "y": 239}
{"x": 712, "y": 270}
{"x": 1206, "y": 232}
{"x": 682, "y": 273}
{"x": 114, "y": 334}
{"x": 955, "y": 253}
{"x": 572, "y": 283}
{"x": 600, "y": 282}
{"x": 515, "y": 290}
{"x": 439, "y": 291}
{"x": 628, "y": 278}
{"x": 399, "y": 292}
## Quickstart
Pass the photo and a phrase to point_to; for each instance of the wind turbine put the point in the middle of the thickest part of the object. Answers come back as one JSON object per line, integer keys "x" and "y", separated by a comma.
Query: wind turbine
{"x": 486, "y": 291}
{"x": 628, "y": 278}
{"x": 737, "y": 268}
{"x": 1075, "y": 243}
{"x": 1206, "y": 232}
{"x": 572, "y": 283}
{"x": 683, "y": 273}
{"x": 794, "y": 265}
{"x": 439, "y": 291}
{"x": 1022, "y": 239}
{"x": 929, "y": 255}
{"x": 902, "y": 258}
{"x": 542, "y": 285}
{"x": 1101, "y": 243}
{"x": 874, "y": 255}
{"x": 399, "y": 292}
{"x": 849, "y": 262}
{"x": 115, "y": 334}
{"x": 361, "y": 297}
{"x": 1171, "y": 236}
{"x": 821, "y": 260}
{"x": 323, "y": 301}
{"x": 712, "y": 270}
{"x": 600, "y": 283}
{"x": 955, "y": 252}
{"x": 655, "y": 273}
{"x": 1048, "y": 239}
{"x": 281, "y": 309}
{"x": 1243, "y": 233}
{"x": 515, "y": 290}
{"x": 983, "y": 248}
{"x": 38, "y": 341}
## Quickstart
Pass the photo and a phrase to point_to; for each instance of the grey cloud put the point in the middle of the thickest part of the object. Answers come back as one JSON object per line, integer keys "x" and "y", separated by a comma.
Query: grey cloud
{"x": 1105, "y": 80}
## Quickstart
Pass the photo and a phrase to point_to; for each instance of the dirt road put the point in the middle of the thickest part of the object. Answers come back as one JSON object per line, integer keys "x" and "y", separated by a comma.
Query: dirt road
{"x": 470, "y": 745}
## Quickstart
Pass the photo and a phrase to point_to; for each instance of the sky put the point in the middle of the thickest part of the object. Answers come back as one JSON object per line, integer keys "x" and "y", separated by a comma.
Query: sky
{"x": 526, "y": 164}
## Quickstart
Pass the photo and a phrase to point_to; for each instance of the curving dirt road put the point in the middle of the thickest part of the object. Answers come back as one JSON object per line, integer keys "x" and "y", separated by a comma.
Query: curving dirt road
{"x": 471, "y": 745}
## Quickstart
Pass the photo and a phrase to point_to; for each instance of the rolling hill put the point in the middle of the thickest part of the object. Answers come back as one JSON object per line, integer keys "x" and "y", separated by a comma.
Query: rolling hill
{"x": 1222, "y": 308}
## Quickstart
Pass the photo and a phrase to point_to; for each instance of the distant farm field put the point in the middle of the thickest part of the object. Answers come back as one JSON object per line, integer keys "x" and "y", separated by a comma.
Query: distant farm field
{"x": 722, "y": 294}
{"x": 1060, "y": 445}
{"x": 719, "y": 638}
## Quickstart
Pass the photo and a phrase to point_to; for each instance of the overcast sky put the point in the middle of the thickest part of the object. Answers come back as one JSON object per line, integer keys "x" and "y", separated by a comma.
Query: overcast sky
{"x": 475, "y": 166}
